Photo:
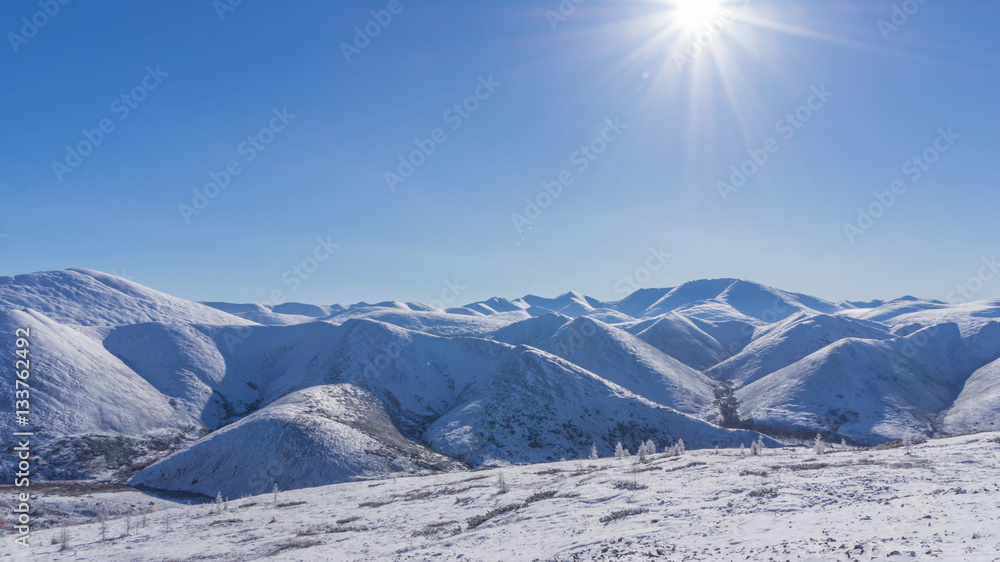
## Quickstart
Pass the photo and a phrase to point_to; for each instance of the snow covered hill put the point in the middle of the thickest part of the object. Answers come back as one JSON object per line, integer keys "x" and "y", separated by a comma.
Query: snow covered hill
{"x": 317, "y": 436}
{"x": 126, "y": 376}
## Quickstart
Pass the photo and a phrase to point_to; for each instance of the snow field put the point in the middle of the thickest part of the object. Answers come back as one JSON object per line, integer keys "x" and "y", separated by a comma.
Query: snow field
{"x": 939, "y": 501}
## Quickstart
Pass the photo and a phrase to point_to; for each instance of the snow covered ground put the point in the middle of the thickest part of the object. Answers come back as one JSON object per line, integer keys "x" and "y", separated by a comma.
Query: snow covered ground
{"x": 939, "y": 501}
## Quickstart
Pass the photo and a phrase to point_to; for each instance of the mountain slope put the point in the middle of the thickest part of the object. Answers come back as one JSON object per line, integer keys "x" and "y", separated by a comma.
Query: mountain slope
{"x": 789, "y": 341}
{"x": 864, "y": 390}
{"x": 977, "y": 408}
{"x": 618, "y": 357}
{"x": 78, "y": 387}
{"x": 537, "y": 408}
{"x": 681, "y": 339}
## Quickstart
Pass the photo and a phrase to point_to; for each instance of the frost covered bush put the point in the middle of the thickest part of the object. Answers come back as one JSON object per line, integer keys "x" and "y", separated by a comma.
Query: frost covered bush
{"x": 616, "y": 515}
{"x": 819, "y": 446}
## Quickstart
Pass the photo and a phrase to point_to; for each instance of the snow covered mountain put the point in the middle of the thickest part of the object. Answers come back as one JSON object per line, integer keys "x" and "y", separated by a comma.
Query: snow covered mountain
{"x": 133, "y": 383}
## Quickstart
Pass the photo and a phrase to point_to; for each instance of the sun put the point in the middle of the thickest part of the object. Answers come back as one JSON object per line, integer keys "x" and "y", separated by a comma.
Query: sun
{"x": 692, "y": 14}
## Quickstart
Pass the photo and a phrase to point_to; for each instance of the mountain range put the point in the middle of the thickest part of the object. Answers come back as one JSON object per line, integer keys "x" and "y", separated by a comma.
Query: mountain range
{"x": 132, "y": 385}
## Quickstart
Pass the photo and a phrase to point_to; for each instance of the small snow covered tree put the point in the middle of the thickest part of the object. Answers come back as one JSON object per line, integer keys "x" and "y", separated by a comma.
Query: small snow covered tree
{"x": 757, "y": 448}
{"x": 743, "y": 449}
{"x": 620, "y": 451}
{"x": 650, "y": 447}
{"x": 680, "y": 447}
{"x": 593, "y": 453}
{"x": 502, "y": 484}
{"x": 218, "y": 503}
{"x": 907, "y": 441}
{"x": 275, "y": 493}
{"x": 819, "y": 446}
{"x": 642, "y": 453}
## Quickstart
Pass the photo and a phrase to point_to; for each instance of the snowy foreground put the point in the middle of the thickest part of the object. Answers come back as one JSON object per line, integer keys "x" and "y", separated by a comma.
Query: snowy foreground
{"x": 941, "y": 501}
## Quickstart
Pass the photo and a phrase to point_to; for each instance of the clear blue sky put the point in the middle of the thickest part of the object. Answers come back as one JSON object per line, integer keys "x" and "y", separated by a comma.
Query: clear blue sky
{"x": 655, "y": 185}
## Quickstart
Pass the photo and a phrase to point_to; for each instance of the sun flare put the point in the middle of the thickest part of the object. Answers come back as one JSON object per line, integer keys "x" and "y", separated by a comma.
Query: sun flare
{"x": 691, "y": 14}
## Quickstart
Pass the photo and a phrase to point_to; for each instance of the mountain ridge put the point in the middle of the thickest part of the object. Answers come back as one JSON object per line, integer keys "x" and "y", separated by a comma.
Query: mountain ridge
{"x": 152, "y": 377}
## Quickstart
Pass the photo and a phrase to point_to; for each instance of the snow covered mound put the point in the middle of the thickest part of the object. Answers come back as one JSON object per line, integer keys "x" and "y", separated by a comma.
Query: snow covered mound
{"x": 322, "y": 435}
{"x": 90, "y": 298}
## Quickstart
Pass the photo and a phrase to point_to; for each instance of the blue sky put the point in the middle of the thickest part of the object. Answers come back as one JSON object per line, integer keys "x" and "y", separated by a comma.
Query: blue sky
{"x": 205, "y": 92}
